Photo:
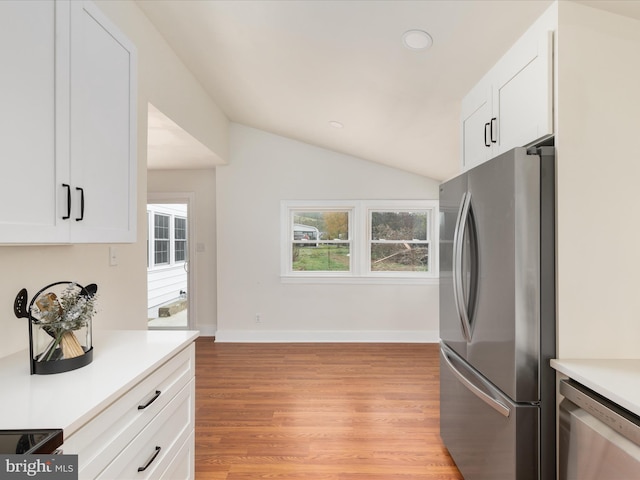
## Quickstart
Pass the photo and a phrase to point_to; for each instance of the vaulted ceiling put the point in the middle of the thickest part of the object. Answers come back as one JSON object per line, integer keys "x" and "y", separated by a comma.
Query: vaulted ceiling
{"x": 292, "y": 67}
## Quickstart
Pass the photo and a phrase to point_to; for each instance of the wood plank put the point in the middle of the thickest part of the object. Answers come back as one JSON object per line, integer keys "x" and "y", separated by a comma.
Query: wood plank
{"x": 319, "y": 412}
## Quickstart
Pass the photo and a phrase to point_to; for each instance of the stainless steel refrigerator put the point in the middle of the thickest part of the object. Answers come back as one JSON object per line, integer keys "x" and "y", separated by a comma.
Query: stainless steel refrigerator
{"x": 497, "y": 317}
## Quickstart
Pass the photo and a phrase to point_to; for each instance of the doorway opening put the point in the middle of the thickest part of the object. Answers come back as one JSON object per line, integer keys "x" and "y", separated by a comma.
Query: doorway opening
{"x": 169, "y": 271}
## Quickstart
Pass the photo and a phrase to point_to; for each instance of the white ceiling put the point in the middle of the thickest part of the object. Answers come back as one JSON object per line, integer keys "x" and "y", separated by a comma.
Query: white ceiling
{"x": 290, "y": 67}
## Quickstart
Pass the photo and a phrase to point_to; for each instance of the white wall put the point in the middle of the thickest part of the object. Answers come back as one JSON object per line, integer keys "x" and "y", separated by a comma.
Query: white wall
{"x": 202, "y": 219}
{"x": 598, "y": 175}
{"x": 164, "y": 80}
{"x": 265, "y": 169}
{"x": 167, "y": 83}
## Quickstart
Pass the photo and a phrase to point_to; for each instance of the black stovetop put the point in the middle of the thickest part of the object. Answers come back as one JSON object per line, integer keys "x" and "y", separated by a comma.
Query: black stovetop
{"x": 43, "y": 441}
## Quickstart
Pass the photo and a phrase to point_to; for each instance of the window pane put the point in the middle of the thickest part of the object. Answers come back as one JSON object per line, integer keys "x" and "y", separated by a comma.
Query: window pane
{"x": 161, "y": 226}
{"x": 399, "y": 257}
{"x": 322, "y": 258}
{"x": 161, "y": 243}
{"x": 322, "y": 225}
{"x": 180, "y": 228}
{"x": 180, "y": 235}
{"x": 396, "y": 226}
{"x": 161, "y": 252}
{"x": 181, "y": 251}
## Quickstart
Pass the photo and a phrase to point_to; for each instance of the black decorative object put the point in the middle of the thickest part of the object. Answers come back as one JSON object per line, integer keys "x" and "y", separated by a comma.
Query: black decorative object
{"x": 59, "y": 326}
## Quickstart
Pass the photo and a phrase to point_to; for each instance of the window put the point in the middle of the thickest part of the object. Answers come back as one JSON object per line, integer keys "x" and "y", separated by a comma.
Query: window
{"x": 180, "y": 238}
{"x": 359, "y": 240}
{"x": 320, "y": 241}
{"x": 399, "y": 241}
{"x": 161, "y": 236}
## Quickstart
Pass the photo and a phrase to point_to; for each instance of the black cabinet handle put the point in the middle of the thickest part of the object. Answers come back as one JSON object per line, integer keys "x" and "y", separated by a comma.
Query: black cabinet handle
{"x": 81, "y": 204}
{"x": 492, "y": 129}
{"x": 150, "y": 461}
{"x": 151, "y": 400}
{"x": 486, "y": 141}
{"x": 68, "y": 215}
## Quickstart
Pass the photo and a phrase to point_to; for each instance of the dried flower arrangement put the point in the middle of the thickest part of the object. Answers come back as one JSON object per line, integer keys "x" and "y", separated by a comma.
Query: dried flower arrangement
{"x": 60, "y": 317}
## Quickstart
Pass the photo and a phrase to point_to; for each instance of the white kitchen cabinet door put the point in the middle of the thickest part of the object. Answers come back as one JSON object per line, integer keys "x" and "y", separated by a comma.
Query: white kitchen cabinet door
{"x": 32, "y": 198}
{"x": 512, "y": 106}
{"x": 477, "y": 146}
{"x": 103, "y": 129}
{"x": 67, "y": 125}
{"x": 522, "y": 92}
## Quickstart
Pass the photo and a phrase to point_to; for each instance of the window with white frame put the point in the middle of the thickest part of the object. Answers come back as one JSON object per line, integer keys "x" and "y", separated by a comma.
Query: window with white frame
{"x": 167, "y": 240}
{"x": 399, "y": 240}
{"x": 359, "y": 239}
{"x": 180, "y": 238}
{"x": 319, "y": 240}
{"x": 161, "y": 239}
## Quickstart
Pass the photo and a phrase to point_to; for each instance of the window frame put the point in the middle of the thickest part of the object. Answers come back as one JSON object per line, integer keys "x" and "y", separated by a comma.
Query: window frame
{"x": 166, "y": 240}
{"x": 182, "y": 241}
{"x": 360, "y": 237}
{"x": 289, "y": 240}
{"x": 430, "y": 241}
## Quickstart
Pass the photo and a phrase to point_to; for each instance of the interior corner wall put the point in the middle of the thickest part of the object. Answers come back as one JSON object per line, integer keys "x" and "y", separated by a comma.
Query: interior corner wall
{"x": 597, "y": 184}
{"x": 202, "y": 183}
{"x": 265, "y": 169}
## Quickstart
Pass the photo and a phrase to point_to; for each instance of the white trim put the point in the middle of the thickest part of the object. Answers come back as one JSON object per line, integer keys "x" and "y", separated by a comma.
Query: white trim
{"x": 359, "y": 219}
{"x": 286, "y": 241}
{"x": 206, "y": 330}
{"x": 351, "y": 280}
{"x": 327, "y": 336}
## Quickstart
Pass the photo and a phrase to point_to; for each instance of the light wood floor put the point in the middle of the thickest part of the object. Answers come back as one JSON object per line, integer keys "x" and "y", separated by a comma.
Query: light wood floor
{"x": 318, "y": 412}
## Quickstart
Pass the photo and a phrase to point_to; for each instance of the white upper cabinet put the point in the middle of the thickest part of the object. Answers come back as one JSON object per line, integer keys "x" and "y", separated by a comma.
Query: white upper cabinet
{"x": 477, "y": 110}
{"x": 32, "y": 177}
{"x": 523, "y": 93}
{"x": 103, "y": 129}
{"x": 512, "y": 106}
{"x": 68, "y": 125}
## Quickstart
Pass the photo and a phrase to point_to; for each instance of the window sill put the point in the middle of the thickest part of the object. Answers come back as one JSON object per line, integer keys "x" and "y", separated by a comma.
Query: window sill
{"x": 344, "y": 280}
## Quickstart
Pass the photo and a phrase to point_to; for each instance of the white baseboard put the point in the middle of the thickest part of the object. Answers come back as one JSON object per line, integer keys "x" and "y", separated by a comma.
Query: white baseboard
{"x": 300, "y": 336}
{"x": 206, "y": 330}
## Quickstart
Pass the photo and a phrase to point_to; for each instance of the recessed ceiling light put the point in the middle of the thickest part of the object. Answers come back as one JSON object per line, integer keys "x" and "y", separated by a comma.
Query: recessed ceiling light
{"x": 335, "y": 124}
{"x": 417, "y": 39}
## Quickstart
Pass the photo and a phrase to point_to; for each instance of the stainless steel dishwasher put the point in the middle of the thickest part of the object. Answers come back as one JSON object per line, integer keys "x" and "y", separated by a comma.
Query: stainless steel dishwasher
{"x": 597, "y": 438}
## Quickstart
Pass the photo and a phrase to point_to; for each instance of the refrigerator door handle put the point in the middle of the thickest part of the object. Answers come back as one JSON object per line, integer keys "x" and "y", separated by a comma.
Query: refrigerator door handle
{"x": 458, "y": 247}
{"x": 497, "y": 405}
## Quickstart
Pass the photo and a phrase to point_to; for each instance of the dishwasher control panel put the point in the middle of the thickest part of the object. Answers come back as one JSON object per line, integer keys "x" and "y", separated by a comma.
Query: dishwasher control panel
{"x": 597, "y": 439}
{"x": 609, "y": 413}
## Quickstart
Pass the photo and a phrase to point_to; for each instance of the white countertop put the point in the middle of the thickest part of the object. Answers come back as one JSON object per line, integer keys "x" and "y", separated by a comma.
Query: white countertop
{"x": 68, "y": 400}
{"x": 617, "y": 380}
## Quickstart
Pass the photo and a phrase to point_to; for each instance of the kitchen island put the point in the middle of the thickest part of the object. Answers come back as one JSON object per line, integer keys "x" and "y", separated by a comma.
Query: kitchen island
{"x": 117, "y": 411}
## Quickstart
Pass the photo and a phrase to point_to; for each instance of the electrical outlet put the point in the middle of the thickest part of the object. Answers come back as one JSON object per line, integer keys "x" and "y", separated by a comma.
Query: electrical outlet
{"x": 258, "y": 318}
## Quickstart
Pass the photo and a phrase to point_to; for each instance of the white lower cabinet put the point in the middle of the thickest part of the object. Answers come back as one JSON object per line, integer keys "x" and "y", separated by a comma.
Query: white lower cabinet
{"x": 155, "y": 447}
{"x": 182, "y": 464}
{"x": 148, "y": 433}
